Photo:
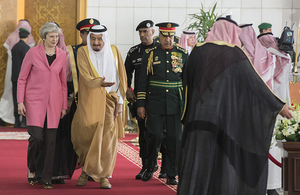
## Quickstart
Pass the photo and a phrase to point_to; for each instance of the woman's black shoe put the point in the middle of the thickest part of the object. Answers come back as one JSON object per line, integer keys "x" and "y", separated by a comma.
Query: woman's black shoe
{"x": 48, "y": 186}
{"x": 31, "y": 180}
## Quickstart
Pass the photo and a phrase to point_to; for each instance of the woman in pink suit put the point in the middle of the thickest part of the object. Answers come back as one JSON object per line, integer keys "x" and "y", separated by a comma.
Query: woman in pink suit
{"x": 42, "y": 97}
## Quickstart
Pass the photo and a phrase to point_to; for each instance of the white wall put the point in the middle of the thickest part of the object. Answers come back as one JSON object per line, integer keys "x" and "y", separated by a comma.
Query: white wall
{"x": 122, "y": 16}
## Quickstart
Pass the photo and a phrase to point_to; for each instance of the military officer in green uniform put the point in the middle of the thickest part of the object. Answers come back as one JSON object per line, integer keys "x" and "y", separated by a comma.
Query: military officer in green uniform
{"x": 176, "y": 40}
{"x": 159, "y": 99}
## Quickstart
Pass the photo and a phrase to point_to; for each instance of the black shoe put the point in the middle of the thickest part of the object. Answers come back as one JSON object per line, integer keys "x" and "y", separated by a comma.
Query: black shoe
{"x": 140, "y": 174}
{"x": 58, "y": 181}
{"x": 48, "y": 186}
{"x": 162, "y": 175}
{"x": 171, "y": 181}
{"x": 148, "y": 174}
{"x": 272, "y": 192}
{"x": 31, "y": 180}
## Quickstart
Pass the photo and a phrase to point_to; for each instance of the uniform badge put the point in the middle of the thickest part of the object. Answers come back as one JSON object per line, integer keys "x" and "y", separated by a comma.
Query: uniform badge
{"x": 169, "y": 25}
{"x": 156, "y": 61}
{"x": 148, "y": 25}
{"x": 91, "y": 21}
{"x": 176, "y": 62}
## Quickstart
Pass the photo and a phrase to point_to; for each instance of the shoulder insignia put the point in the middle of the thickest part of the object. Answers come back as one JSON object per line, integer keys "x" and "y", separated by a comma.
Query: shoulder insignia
{"x": 177, "y": 44}
{"x": 132, "y": 49}
{"x": 181, "y": 49}
{"x": 150, "y": 49}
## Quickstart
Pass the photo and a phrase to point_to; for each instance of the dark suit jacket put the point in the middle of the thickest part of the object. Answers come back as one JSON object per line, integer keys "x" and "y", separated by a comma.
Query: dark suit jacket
{"x": 18, "y": 52}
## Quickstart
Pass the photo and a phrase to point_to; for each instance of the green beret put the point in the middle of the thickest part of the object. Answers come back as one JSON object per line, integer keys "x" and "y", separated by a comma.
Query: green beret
{"x": 265, "y": 26}
{"x": 24, "y": 29}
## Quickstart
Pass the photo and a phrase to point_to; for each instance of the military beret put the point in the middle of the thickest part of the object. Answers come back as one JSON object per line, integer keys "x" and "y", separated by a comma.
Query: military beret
{"x": 167, "y": 28}
{"x": 24, "y": 30}
{"x": 145, "y": 24}
{"x": 87, "y": 23}
{"x": 265, "y": 26}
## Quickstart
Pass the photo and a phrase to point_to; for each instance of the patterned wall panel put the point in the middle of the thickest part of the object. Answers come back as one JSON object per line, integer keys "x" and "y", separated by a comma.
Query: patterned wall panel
{"x": 8, "y": 22}
{"x": 62, "y": 12}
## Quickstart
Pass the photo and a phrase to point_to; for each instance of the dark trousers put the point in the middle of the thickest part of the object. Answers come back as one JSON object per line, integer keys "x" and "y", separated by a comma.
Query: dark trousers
{"x": 155, "y": 135}
{"x": 41, "y": 137}
{"x": 142, "y": 139}
{"x": 14, "y": 94}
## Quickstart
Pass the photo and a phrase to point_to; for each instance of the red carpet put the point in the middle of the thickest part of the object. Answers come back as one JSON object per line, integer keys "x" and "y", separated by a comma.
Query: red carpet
{"x": 13, "y": 173}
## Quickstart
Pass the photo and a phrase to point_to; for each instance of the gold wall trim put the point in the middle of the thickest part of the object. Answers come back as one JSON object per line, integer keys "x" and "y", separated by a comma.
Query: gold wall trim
{"x": 81, "y": 14}
{"x": 8, "y": 23}
{"x": 21, "y": 10}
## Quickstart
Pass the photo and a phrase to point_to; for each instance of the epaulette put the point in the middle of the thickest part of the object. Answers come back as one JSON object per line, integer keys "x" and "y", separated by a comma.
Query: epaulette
{"x": 132, "y": 49}
{"x": 150, "y": 49}
{"x": 181, "y": 49}
{"x": 177, "y": 44}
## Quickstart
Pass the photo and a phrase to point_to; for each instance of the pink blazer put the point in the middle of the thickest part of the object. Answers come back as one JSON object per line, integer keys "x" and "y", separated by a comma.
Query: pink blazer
{"x": 41, "y": 88}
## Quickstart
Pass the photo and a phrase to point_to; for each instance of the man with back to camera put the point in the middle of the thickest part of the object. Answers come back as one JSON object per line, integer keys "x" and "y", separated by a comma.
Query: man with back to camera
{"x": 282, "y": 68}
{"x": 18, "y": 52}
